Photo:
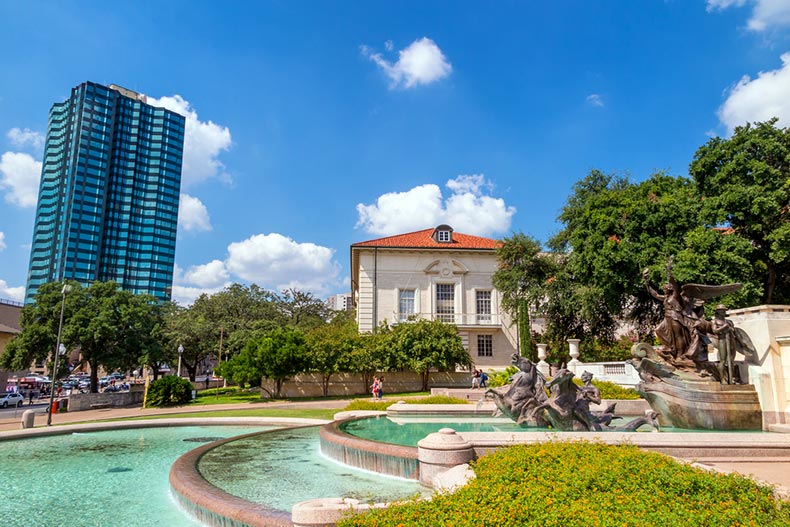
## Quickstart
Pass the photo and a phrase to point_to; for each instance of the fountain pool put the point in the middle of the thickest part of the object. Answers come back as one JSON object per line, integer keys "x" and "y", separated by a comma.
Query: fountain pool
{"x": 99, "y": 478}
{"x": 282, "y": 468}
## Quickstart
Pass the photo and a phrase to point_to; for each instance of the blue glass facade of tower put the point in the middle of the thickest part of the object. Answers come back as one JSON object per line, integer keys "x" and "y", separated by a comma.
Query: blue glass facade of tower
{"x": 108, "y": 200}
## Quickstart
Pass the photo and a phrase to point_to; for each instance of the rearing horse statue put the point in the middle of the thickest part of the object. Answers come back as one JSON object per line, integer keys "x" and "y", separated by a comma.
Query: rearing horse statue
{"x": 526, "y": 392}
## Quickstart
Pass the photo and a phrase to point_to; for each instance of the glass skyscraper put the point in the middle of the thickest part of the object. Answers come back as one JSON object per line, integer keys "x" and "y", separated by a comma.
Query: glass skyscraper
{"x": 108, "y": 200}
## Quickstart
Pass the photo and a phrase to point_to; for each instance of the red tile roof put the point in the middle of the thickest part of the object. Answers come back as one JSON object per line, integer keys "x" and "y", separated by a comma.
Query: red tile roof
{"x": 423, "y": 239}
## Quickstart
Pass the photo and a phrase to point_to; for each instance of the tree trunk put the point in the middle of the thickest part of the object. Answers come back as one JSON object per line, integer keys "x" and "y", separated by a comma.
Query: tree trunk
{"x": 278, "y": 387}
{"x": 424, "y": 376}
{"x": 367, "y": 380}
{"x": 325, "y": 384}
{"x": 94, "y": 376}
{"x": 771, "y": 283}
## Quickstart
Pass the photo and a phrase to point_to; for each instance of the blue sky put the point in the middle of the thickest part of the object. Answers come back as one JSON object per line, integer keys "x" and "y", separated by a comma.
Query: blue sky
{"x": 314, "y": 125}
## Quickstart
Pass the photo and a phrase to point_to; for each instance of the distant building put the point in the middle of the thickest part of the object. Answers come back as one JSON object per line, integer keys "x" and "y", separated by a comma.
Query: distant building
{"x": 10, "y": 312}
{"x": 341, "y": 302}
{"x": 108, "y": 200}
{"x": 434, "y": 274}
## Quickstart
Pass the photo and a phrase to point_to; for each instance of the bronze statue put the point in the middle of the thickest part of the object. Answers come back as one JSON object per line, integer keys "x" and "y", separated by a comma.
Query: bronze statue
{"x": 526, "y": 391}
{"x": 532, "y": 401}
{"x": 681, "y": 332}
{"x": 728, "y": 340}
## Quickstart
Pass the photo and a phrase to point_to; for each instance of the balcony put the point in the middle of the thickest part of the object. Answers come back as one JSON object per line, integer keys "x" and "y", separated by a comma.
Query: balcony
{"x": 459, "y": 319}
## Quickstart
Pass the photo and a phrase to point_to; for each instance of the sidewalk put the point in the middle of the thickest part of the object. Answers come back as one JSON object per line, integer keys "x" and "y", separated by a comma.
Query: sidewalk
{"x": 15, "y": 422}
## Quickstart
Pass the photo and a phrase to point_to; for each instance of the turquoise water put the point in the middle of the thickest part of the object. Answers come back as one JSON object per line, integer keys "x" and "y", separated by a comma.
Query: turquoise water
{"x": 117, "y": 477}
{"x": 282, "y": 468}
{"x": 407, "y": 431}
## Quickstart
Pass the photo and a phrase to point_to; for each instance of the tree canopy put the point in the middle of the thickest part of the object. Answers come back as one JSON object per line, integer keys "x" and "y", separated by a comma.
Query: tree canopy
{"x": 422, "y": 345}
{"x": 744, "y": 182}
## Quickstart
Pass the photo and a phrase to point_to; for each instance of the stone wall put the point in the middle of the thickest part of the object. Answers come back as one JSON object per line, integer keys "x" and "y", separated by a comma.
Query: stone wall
{"x": 309, "y": 384}
{"x": 768, "y": 327}
{"x": 89, "y": 401}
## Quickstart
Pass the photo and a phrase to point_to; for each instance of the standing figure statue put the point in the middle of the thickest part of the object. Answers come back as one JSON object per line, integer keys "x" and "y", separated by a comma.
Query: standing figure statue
{"x": 681, "y": 331}
{"x": 723, "y": 330}
{"x": 728, "y": 340}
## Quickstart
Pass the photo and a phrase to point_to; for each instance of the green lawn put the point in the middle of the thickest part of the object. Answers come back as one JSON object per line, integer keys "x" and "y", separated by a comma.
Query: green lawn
{"x": 234, "y": 395}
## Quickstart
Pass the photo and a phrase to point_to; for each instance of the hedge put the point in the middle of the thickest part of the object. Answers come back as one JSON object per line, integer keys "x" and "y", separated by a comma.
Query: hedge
{"x": 565, "y": 484}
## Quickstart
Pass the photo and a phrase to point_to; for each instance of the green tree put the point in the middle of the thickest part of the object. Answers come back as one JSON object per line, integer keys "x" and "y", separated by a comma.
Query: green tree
{"x": 302, "y": 310}
{"x": 39, "y": 323}
{"x": 745, "y": 185}
{"x": 422, "y": 345}
{"x": 332, "y": 347}
{"x": 278, "y": 355}
{"x": 111, "y": 327}
{"x": 234, "y": 315}
{"x": 520, "y": 278}
{"x": 372, "y": 354}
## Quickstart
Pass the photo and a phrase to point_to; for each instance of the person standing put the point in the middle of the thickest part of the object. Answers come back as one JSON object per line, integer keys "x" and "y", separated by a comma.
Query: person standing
{"x": 476, "y": 379}
{"x": 374, "y": 388}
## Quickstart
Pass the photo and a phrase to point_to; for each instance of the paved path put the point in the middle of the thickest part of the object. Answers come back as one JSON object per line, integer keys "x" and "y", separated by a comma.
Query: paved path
{"x": 13, "y": 421}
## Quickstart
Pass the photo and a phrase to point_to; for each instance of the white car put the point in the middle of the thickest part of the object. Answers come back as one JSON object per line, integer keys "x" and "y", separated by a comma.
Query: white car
{"x": 11, "y": 399}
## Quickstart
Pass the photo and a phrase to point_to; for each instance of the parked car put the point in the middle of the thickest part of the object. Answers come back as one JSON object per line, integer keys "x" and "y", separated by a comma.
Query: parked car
{"x": 11, "y": 399}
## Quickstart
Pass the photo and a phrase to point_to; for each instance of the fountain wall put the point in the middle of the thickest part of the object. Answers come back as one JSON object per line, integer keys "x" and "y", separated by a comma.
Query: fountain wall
{"x": 769, "y": 328}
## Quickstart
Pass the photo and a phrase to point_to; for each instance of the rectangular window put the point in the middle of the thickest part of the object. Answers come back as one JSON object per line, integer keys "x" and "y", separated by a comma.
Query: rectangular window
{"x": 485, "y": 346}
{"x": 483, "y": 304}
{"x": 444, "y": 236}
{"x": 405, "y": 304}
{"x": 445, "y": 302}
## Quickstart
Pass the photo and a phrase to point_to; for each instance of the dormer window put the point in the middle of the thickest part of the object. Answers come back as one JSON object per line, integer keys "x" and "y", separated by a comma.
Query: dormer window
{"x": 443, "y": 234}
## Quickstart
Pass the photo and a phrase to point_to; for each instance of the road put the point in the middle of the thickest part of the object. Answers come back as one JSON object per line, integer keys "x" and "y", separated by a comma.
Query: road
{"x": 39, "y": 407}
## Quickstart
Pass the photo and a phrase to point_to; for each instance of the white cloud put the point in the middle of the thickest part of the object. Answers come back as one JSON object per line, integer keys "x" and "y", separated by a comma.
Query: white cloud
{"x": 186, "y": 295}
{"x": 210, "y": 275}
{"x": 204, "y": 141}
{"x": 422, "y": 62}
{"x": 22, "y": 138}
{"x": 19, "y": 177}
{"x": 192, "y": 214}
{"x": 595, "y": 99}
{"x": 2, "y": 241}
{"x": 16, "y": 294}
{"x": 759, "y": 99}
{"x": 469, "y": 209}
{"x": 276, "y": 261}
{"x": 724, "y": 4}
{"x": 766, "y": 13}
{"x": 408, "y": 211}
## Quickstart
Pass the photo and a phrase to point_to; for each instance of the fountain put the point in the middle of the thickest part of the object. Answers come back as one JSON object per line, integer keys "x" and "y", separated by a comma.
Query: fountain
{"x": 682, "y": 386}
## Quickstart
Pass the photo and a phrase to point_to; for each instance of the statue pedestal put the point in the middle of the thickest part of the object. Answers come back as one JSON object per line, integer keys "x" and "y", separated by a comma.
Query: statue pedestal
{"x": 704, "y": 405}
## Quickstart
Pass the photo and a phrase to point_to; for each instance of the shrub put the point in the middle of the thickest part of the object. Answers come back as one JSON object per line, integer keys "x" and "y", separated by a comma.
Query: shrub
{"x": 610, "y": 390}
{"x": 501, "y": 378}
{"x": 438, "y": 399}
{"x": 564, "y": 484}
{"x": 169, "y": 391}
{"x": 362, "y": 404}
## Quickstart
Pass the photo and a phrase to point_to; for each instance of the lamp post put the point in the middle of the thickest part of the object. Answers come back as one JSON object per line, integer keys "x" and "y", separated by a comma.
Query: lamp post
{"x": 59, "y": 350}
{"x": 180, "y": 352}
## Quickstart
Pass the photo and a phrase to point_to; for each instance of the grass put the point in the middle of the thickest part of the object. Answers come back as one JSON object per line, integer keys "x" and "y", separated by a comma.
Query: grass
{"x": 236, "y": 395}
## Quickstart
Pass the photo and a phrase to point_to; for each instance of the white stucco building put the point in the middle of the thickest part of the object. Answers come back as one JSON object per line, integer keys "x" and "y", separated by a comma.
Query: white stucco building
{"x": 436, "y": 274}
